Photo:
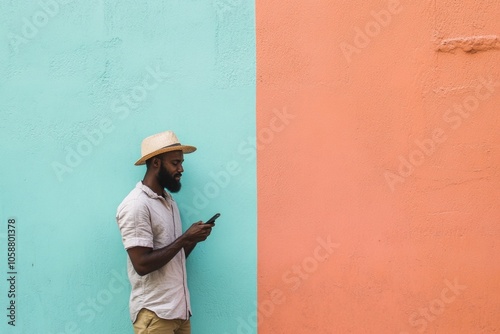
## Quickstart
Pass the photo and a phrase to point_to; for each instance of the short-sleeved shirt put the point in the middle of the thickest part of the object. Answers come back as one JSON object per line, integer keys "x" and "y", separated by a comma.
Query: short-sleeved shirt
{"x": 148, "y": 220}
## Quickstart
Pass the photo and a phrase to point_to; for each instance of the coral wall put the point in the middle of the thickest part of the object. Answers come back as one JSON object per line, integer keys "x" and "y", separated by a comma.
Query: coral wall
{"x": 378, "y": 201}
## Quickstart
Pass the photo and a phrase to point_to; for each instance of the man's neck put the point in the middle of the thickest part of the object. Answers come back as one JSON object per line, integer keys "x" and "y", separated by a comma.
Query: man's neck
{"x": 153, "y": 184}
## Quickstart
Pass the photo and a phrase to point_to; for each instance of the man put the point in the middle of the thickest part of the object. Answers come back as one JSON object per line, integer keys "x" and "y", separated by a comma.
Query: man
{"x": 151, "y": 230}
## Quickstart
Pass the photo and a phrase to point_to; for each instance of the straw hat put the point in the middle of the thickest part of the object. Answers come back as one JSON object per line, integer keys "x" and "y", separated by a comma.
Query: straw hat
{"x": 160, "y": 143}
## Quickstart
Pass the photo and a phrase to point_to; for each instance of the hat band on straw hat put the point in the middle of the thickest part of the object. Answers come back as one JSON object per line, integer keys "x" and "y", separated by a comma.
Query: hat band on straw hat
{"x": 154, "y": 145}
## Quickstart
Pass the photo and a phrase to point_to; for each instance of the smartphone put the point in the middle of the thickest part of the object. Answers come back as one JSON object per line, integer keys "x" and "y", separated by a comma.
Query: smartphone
{"x": 212, "y": 220}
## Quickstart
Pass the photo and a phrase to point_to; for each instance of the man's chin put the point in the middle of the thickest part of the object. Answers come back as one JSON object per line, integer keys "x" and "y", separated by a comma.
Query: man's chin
{"x": 174, "y": 189}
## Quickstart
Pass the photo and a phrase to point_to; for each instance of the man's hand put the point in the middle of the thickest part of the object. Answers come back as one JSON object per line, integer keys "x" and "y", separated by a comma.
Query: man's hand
{"x": 196, "y": 233}
{"x": 146, "y": 260}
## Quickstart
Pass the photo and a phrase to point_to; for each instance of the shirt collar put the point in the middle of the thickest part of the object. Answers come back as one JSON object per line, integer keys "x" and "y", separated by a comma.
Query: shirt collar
{"x": 151, "y": 193}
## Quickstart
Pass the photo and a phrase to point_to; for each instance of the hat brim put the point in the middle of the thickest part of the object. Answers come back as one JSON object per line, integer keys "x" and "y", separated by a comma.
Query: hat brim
{"x": 184, "y": 148}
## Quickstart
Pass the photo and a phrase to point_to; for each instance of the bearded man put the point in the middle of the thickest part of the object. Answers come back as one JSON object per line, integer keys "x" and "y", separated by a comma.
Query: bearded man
{"x": 151, "y": 230}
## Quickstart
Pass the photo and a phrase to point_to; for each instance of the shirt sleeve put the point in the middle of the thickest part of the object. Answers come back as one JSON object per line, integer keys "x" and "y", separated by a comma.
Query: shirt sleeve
{"x": 135, "y": 225}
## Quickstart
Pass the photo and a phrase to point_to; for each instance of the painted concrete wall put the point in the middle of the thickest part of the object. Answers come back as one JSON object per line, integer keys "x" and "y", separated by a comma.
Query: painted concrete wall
{"x": 377, "y": 160}
{"x": 378, "y": 198}
{"x": 82, "y": 84}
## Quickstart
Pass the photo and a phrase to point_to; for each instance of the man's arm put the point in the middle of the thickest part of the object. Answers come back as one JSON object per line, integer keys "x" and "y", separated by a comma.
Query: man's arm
{"x": 146, "y": 260}
{"x": 190, "y": 246}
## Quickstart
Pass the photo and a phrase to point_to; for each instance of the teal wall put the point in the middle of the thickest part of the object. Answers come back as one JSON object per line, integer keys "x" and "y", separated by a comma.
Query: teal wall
{"x": 82, "y": 83}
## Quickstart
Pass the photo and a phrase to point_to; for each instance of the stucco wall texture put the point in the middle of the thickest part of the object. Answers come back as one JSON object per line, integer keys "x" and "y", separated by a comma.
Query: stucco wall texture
{"x": 82, "y": 83}
{"x": 378, "y": 201}
{"x": 368, "y": 129}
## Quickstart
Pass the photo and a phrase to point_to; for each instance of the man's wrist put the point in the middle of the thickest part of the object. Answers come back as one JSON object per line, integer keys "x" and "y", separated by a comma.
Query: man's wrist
{"x": 185, "y": 241}
{"x": 190, "y": 243}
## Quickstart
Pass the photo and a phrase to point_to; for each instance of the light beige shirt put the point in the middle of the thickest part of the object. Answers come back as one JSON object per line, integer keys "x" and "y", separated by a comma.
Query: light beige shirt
{"x": 148, "y": 220}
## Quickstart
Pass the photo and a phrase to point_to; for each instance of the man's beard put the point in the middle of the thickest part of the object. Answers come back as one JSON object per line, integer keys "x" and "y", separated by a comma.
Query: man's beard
{"x": 168, "y": 181}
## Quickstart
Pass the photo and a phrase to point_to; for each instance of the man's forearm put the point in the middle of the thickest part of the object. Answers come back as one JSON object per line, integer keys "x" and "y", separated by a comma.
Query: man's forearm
{"x": 189, "y": 248}
{"x": 146, "y": 260}
{"x": 155, "y": 259}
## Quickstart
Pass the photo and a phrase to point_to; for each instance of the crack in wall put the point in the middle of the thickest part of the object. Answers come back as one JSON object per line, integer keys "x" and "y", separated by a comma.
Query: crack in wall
{"x": 471, "y": 44}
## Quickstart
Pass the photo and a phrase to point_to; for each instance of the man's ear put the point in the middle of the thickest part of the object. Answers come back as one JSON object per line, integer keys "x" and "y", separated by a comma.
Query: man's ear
{"x": 156, "y": 162}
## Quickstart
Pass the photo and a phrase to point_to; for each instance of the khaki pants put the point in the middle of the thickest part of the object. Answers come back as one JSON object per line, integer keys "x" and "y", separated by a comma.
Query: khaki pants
{"x": 148, "y": 323}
